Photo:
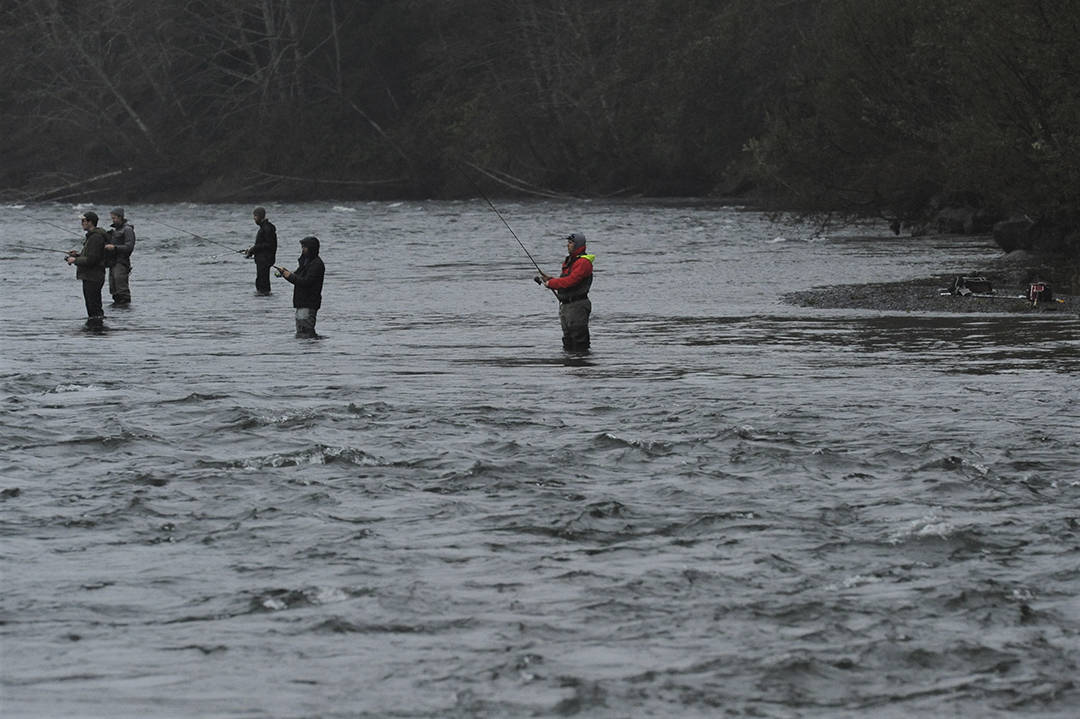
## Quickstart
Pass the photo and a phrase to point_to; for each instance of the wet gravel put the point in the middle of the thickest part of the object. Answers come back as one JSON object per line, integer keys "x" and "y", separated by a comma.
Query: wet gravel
{"x": 1010, "y": 278}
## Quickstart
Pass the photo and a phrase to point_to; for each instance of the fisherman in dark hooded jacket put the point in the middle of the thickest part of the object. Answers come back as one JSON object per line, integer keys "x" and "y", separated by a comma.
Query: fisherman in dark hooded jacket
{"x": 264, "y": 251}
{"x": 307, "y": 280}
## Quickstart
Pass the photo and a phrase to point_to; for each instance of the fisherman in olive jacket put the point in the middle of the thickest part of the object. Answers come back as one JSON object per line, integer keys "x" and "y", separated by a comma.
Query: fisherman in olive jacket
{"x": 90, "y": 268}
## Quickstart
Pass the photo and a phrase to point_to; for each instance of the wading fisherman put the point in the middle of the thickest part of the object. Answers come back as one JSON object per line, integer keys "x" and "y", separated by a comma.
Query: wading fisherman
{"x": 572, "y": 289}
{"x": 264, "y": 250}
{"x": 121, "y": 243}
{"x": 90, "y": 268}
{"x": 307, "y": 280}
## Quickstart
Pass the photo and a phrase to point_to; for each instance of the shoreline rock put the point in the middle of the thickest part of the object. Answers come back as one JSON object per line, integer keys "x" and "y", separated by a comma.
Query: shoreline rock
{"x": 1009, "y": 280}
{"x": 922, "y": 295}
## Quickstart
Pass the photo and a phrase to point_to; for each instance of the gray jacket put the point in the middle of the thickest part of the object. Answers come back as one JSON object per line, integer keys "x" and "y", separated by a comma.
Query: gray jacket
{"x": 123, "y": 236}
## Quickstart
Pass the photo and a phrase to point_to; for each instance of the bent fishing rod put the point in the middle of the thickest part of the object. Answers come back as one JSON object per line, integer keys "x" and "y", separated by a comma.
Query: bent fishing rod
{"x": 499, "y": 214}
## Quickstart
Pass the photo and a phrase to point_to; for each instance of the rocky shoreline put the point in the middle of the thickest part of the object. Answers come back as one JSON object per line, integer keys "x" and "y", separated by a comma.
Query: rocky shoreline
{"x": 1010, "y": 279}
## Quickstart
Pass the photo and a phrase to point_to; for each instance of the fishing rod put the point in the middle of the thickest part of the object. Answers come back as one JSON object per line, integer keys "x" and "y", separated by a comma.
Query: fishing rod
{"x": 496, "y": 211}
{"x": 48, "y": 249}
{"x": 499, "y": 214}
{"x": 200, "y": 237}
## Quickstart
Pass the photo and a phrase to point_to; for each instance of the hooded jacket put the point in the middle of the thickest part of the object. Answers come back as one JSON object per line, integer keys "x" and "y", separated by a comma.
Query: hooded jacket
{"x": 307, "y": 279}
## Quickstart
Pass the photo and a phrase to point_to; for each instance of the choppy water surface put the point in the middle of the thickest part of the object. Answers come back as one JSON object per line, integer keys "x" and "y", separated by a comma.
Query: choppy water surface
{"x": 730, "y": 508}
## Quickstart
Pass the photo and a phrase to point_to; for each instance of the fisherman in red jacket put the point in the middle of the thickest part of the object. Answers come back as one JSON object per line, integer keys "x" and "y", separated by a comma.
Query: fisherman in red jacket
{"x": 572, "y": 289}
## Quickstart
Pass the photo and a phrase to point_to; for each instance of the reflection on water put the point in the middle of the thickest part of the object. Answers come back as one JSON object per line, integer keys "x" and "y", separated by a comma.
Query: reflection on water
{"x": 950, "y": 343}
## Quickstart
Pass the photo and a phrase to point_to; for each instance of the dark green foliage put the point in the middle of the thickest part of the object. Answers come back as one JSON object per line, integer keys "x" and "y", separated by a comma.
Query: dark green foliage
{"x": 858, "y": 107}
{"x": 380, "y": 97}
{"x": 901, "y": 108}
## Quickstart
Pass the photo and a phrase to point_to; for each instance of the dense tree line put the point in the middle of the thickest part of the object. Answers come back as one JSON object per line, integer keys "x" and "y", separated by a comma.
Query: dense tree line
{"x": 858, "y": 107}
{"x": 387, "y": 96}
{"x": 906, "y": 109}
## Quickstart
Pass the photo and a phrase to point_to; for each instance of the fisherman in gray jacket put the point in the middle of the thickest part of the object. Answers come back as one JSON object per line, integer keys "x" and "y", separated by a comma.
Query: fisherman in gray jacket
{"x": 118, "y": 257}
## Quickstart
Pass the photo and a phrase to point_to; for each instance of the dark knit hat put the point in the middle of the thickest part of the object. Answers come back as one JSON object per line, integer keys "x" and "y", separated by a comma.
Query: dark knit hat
{"x": 118, "y": 211}
{"x": 578, "y": 238}
{"x": 312, "y": 243}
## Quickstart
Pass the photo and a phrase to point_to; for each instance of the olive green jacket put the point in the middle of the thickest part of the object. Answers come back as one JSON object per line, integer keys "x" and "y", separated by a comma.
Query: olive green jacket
{"x": 90, "y": 262}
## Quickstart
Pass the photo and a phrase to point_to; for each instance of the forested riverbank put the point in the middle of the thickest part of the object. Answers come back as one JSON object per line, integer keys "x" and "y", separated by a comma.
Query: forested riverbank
{"x": 934, "y": 115}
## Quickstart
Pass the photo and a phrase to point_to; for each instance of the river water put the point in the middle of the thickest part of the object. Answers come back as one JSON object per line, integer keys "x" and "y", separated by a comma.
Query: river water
{"x": 731, "y": 507}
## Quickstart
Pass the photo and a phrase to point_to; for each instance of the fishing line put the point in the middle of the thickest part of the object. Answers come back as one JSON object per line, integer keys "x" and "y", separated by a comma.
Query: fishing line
{"x": 51, "y": 224}
{"x": 222, "y": 254}
{"x": 45, "y": 249}
{"x": 199, "y": 237}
